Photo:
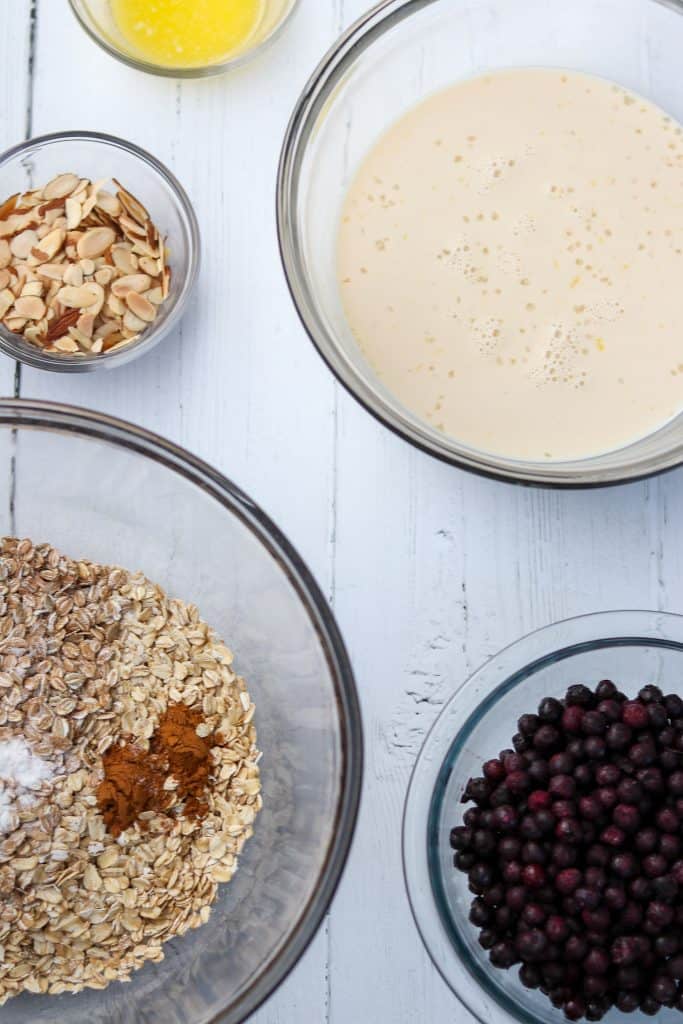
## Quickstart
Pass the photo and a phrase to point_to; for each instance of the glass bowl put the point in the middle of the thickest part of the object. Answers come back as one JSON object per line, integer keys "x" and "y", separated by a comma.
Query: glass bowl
{"x": 97, "y": 487}
{"x": 632, "y": 648}
{"x": 93, "y": 155}
{"x": 394, "y": 56}
{"x": 97, "y": 18}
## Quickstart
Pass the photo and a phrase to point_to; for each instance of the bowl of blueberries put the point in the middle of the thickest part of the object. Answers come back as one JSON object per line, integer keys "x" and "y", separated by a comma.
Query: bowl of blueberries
{"x": 543, "y": 829}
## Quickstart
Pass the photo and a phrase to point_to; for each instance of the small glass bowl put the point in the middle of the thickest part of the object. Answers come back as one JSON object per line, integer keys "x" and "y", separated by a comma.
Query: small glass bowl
{"x": 97, "y": 18}
{"x": 393, "y": 57}
{"x": 93, "y": 155}
{"x": 632, "y": 648}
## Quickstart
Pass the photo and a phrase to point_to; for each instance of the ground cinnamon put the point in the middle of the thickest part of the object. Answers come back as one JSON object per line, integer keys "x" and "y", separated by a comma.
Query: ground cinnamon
{"x": 134, "y": 778}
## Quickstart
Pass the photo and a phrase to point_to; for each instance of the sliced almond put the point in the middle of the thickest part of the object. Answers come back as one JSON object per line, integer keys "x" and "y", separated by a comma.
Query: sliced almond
{"x": 86, "y": 324}
{"x": 79, "y": 266}
{"x": 6, "y": 302}
{"x": 32, "y": 288}
{"x": 150, "y": 266}
{"x": 115, "y": 306}
{"x": 109, "y": 203}
{"x": 104, "y": 275}
{"x": 30, "y": 306}
{"x": 61, "y": 186}
{"x": 166, "y": 282}
{"x": 9, "y": 206}
{"x": 66, "y": 344}
{"x": 131, "y": 204}
{"x": 141, "y": 307}
{"x": 124, "y": 259}
{"x": 52, "y": 243}
{"x": 54, "y": 207}
{"x": 131, "y": 283}
{"x": 61, "y": 325}
{"x": 53, "y": 271}
{"x": 15, "y": 323}
{"x": 82, "y": 339}
{"x": 74, "y": 214}
{"x": 77, "y": 298}
{"x": 22, "y": 244}
{"x": 132, "y": 322}
{"x": 95, "y": 242}
{"x": 131, "y": 227}
{"x": 73, "y": 275}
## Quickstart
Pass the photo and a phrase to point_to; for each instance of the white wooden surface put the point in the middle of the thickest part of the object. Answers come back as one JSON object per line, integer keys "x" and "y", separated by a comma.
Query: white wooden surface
{"x": 429, "y": 570}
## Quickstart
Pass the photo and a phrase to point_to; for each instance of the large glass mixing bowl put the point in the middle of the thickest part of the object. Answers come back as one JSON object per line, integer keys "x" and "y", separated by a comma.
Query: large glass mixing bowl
{"x": 632, "y": 648}
{"x": 99, "y": 488}
{"x": 394, "y": 56}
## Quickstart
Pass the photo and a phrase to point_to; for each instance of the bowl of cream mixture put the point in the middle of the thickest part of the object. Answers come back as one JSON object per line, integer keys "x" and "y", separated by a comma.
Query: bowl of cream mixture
{"x": 481, "y": 223}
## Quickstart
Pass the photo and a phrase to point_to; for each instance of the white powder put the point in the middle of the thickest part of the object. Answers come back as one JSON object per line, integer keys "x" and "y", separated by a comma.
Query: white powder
{"x": 21, "y": 772}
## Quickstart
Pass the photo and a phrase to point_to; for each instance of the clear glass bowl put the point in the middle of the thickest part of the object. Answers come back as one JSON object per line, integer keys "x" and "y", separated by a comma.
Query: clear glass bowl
{"x": 94, "y": 156}
{"x": 394, "y": 56}
{"x": 99, "y": 488}
{"x": 632, "y": 648}
{"x": 97, "y": 18}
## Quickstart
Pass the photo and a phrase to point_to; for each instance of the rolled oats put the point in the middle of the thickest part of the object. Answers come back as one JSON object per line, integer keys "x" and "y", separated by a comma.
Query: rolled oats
{"x": 80, "y": 645}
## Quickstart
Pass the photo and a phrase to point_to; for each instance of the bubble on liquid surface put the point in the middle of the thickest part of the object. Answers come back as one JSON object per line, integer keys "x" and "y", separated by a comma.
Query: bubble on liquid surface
{"x": 487, "y": 335}
{"x": 557, "y": 357}
{"x": 509, "y": 263}
{"x": 605, "y": 309}
{"x": 524, "y": 226}
{"x": 492, "y": 171}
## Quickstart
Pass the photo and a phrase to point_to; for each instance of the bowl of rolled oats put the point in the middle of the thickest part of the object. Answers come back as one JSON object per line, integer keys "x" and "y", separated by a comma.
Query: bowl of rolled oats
{"x": 180, "y": 739}
{"x": 99, "y": 251}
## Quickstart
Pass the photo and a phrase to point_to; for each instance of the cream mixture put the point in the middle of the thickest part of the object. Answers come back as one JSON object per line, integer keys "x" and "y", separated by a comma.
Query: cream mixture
{"x": 511, "y": 263}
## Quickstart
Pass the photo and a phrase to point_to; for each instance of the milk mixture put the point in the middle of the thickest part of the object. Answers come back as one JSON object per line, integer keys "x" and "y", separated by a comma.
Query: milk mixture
{"x": 511, "y": 263}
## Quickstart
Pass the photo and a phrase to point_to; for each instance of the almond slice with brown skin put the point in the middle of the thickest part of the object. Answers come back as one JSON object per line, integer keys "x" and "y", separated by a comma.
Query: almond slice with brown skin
{"x": 132, "y": 205}
{"x": 5, "y": 253}
{"x": 95, "y": 242}
{"x": 61, "y": 325}
{"x": 52, "y": 243}
{"x": 109, "y": 203}
{"x": 61, "y": 186}
{"x": 6, "y": 301}
{"x": 86, "y": 324}
{"x": 141, "y": 307}
{"x": 22, "y": 244}
{"x": 131, "y": 283}
{"x": 9, "y": 206}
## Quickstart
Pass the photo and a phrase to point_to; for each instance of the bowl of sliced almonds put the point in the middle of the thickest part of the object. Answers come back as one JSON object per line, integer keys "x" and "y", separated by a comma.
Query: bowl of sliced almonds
{"x": 99, "y": 251}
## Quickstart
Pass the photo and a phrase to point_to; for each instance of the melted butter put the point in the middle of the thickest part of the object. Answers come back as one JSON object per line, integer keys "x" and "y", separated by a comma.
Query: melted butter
{"x": 187, "y": 33}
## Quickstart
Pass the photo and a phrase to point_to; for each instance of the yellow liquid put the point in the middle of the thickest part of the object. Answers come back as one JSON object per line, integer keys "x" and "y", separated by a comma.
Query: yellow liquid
{"x": 187, "y": 33}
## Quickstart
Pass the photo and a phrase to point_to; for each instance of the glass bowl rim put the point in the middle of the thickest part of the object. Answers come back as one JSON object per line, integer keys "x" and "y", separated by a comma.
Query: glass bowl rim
{"x": 165, "y": 71}
{"x": 69, "y": 419}
{"x": 33, "y": 356}
{"x": 319, "y": 90}
{"x": 525, "y": 655}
